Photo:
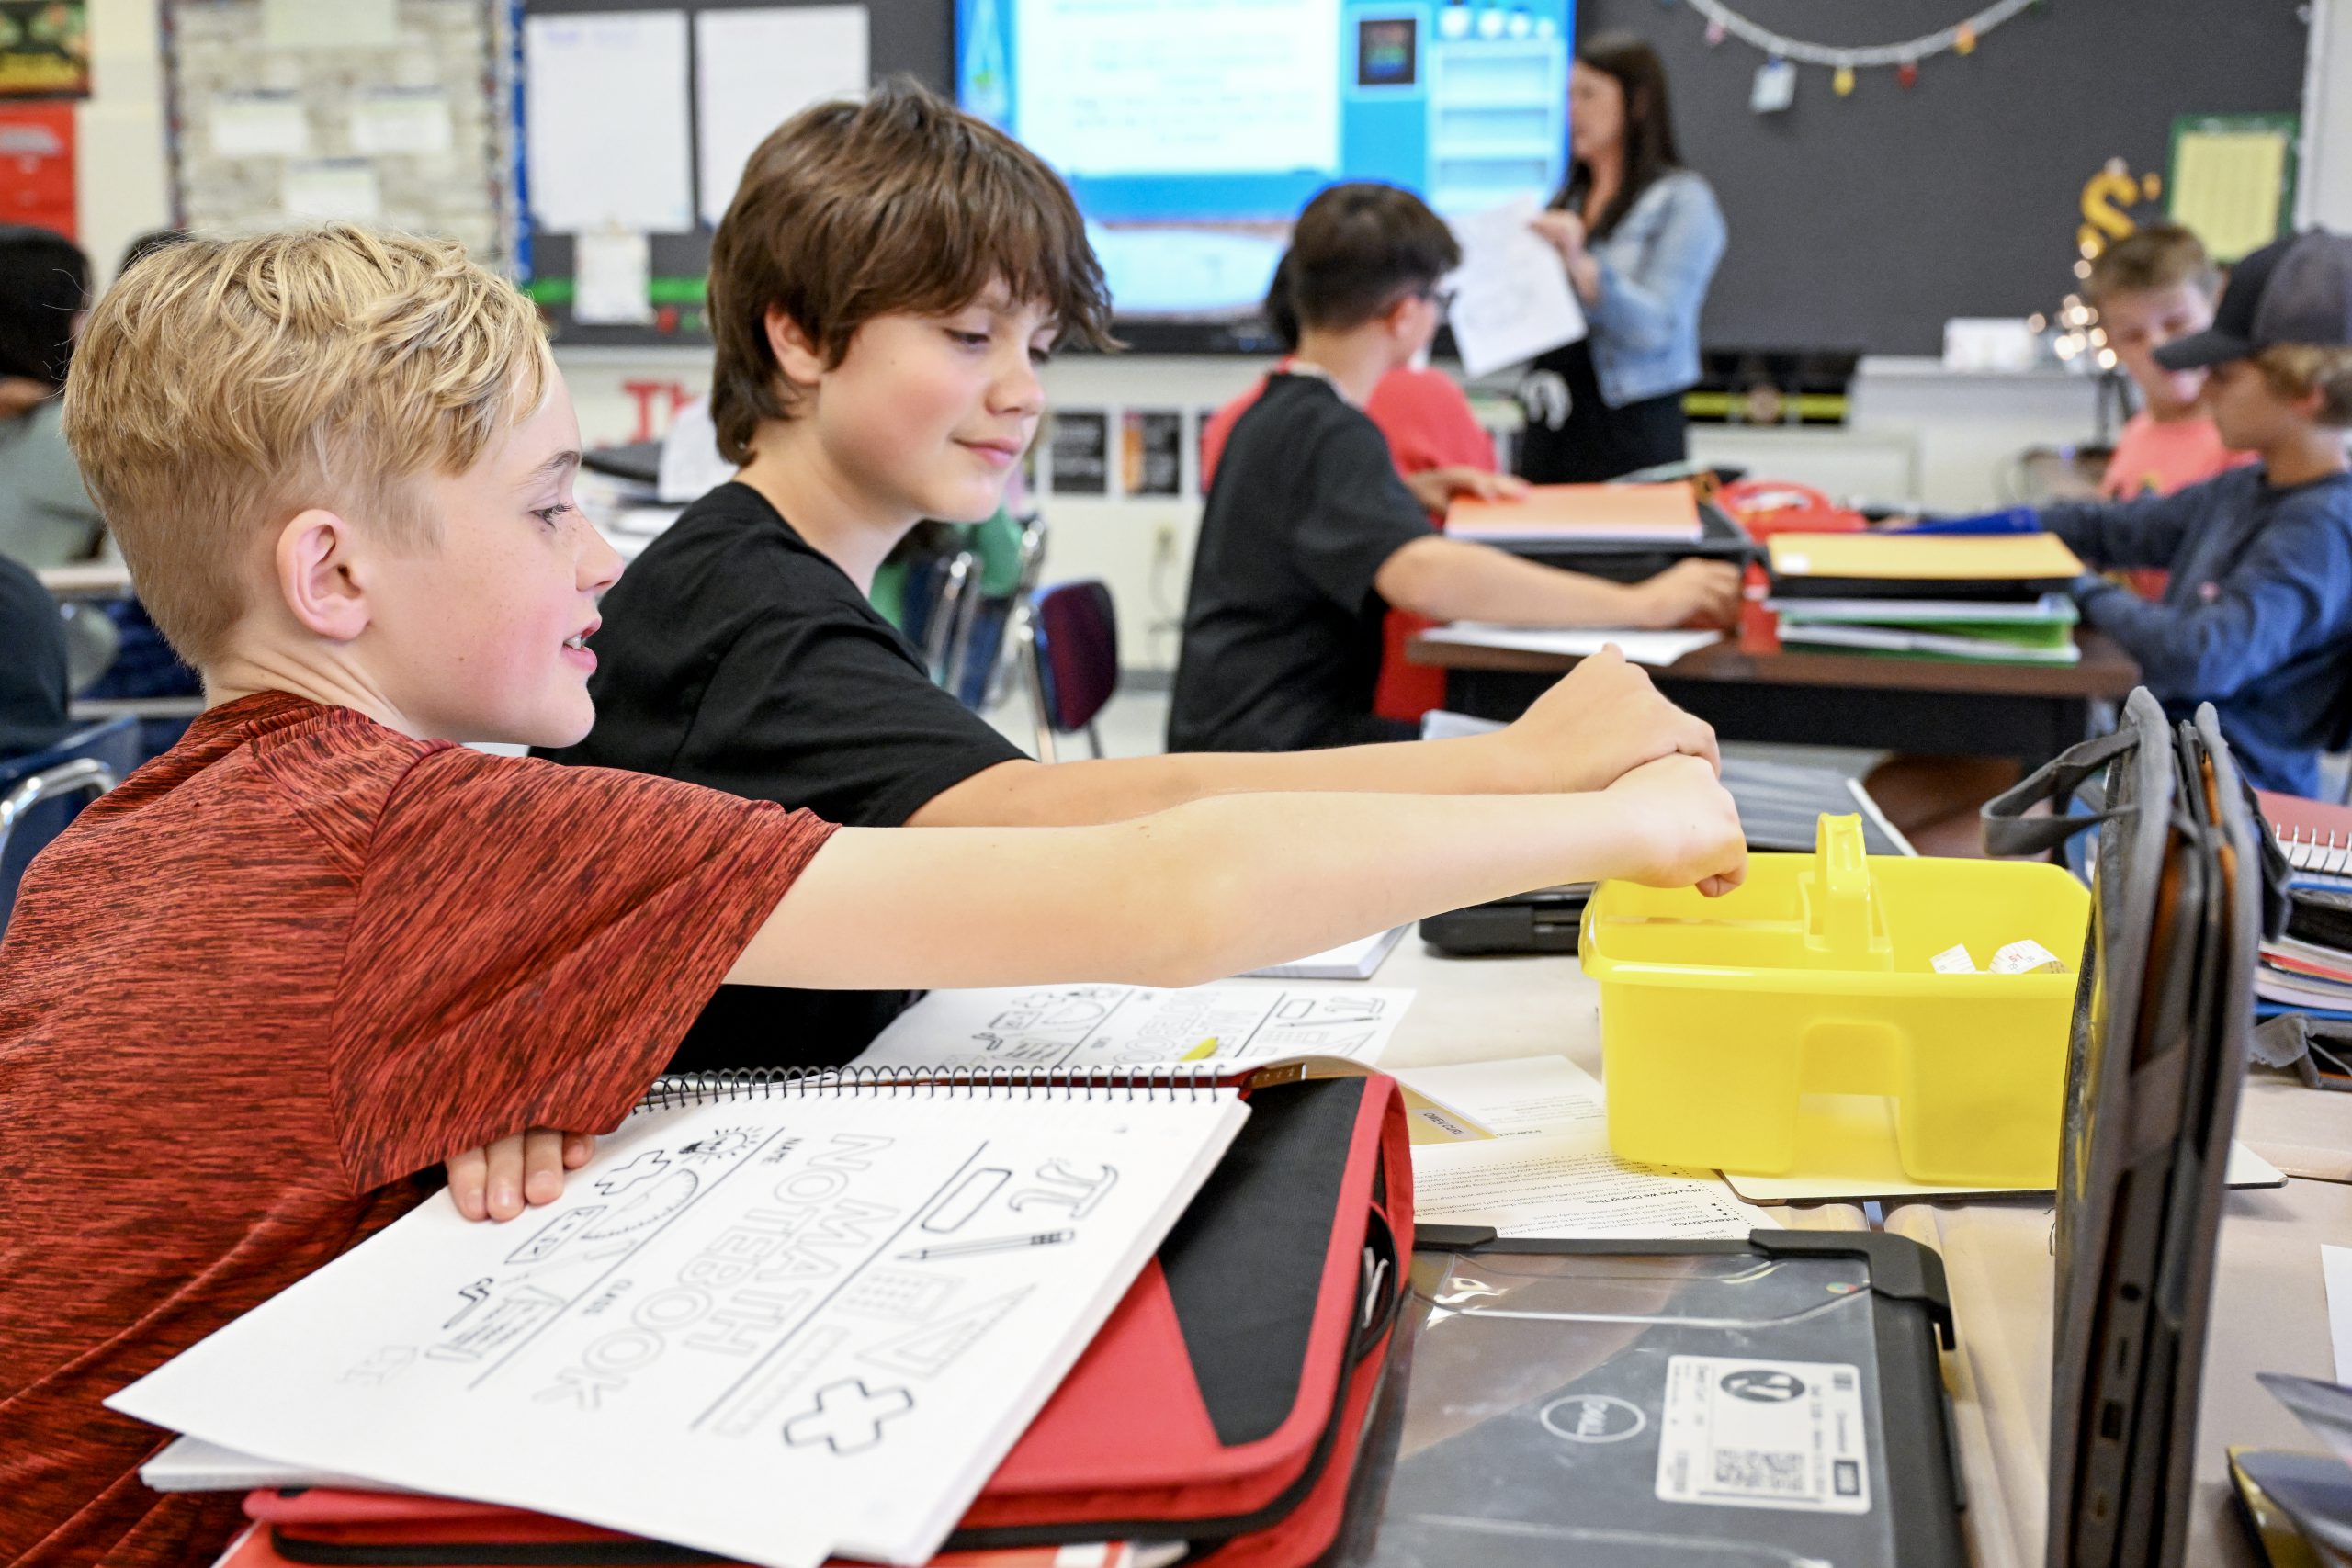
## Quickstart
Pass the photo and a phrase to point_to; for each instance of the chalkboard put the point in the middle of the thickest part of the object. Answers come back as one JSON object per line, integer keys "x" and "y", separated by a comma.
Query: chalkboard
{"x": 1861, "y": 223}
{"x": 915, "y": 38}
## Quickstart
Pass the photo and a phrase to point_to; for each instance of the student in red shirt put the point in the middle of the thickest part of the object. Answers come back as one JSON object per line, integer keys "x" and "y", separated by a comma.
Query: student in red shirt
{"x": 2154, "y": 286}
{"x": 2150, "y": 288}
{"x": 319, "y": 946}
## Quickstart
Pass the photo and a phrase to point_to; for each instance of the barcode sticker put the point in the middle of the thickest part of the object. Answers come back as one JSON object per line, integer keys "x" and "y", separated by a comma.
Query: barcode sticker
{"x": 1745, "y": 1434}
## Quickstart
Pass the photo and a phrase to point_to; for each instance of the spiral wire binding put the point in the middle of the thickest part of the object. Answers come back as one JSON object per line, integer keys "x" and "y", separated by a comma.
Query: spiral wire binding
{"x": 1169, "y": 1081}
{"x": 2307, "y": 851}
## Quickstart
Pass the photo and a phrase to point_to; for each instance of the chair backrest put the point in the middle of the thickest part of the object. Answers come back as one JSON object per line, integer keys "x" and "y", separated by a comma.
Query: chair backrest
{"x": 977, "y": 660}
{"x": 1077, "y": 636}
{"x": 952, "y": 585}
{"x": 41, "y": 793}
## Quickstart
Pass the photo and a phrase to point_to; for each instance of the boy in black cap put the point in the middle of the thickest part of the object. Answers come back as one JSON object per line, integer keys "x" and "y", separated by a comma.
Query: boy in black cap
{"x": 2257, "y": 617}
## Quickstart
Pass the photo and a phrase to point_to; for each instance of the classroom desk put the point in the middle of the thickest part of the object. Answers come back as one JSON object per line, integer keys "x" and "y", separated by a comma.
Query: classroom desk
{"x": 2270, "y": 1307}
{"x": 94, "y": 580}
{"x": 2030, "y": 712}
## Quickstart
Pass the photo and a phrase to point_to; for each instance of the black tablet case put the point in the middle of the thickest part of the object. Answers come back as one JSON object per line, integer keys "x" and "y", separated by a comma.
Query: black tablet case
{"x": 1542, "y": 1375}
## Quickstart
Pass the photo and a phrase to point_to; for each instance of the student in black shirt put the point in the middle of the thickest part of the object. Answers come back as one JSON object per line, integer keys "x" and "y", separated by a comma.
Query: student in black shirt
{"x": 1308, "y": 537}
{"x": 739, "y": 652}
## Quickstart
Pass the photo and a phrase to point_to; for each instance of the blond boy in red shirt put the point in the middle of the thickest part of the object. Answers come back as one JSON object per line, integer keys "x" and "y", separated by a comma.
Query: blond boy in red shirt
{"x": 319, "y": 946}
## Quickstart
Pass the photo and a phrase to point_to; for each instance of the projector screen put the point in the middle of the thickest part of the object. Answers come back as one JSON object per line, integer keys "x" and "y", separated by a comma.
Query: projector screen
{"x": 1192, "y": 131}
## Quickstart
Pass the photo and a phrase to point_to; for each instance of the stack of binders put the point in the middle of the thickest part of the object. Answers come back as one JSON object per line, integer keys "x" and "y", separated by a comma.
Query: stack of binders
{"x": 2308, "y": 969}
{"x": 1983, "y": 598}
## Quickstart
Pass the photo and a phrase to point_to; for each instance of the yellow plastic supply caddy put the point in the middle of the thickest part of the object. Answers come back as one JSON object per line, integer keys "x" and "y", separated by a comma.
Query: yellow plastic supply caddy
{"x": 1719, "y": 1017}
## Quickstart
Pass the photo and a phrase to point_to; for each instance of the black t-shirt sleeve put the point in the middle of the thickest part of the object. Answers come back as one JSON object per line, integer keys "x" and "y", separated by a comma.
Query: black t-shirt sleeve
{"x": 1355, "y": 512}
{"x": 823, "y": 708}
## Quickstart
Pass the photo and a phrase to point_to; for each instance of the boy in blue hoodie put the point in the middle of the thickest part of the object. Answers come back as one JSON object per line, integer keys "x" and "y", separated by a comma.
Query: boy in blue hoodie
{"x": 2257, "y": 617}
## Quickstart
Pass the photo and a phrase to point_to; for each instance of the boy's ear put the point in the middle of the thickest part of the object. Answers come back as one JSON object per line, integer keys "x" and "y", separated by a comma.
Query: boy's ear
{"x": 796, "y": 353}
{"x": 318, "y": 578}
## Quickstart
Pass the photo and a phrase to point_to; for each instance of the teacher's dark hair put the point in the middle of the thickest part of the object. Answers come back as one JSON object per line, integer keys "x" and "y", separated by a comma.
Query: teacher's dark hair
{"x": 1649, "y": 125}
{"x": 44, "y": 284}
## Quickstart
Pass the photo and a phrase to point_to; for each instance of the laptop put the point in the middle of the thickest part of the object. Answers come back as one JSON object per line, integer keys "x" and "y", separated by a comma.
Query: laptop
{"x": 2159, "y": 1050}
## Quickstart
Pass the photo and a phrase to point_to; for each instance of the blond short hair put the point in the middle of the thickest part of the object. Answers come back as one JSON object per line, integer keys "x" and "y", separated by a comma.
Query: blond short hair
{"x": 225, "y": 385}
{"x": 2155, "y": 256}
{"x": 2295, "y": 370}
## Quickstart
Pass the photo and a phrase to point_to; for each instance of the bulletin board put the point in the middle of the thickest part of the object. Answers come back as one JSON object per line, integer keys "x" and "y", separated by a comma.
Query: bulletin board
{"x": 573, "y": 252}
{"x": 385, "y": 111}
{"x": 1862, "y": 222}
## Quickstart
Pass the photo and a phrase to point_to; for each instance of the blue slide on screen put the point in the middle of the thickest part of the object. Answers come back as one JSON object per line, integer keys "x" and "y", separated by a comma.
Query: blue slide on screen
{"x": 1192, "y": 131}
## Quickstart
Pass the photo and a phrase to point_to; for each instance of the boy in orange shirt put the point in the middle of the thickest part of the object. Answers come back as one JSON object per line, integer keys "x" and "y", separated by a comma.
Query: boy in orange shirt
{"x": 2152, "y": 288}
{"x": 319, "y": 945}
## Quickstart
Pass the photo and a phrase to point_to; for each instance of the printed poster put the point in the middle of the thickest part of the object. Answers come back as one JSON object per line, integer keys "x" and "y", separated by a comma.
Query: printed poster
{"x": 44, "y": 49}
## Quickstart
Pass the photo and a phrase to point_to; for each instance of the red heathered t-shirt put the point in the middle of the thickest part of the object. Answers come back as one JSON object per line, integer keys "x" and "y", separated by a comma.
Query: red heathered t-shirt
{"x": 255, "y": 991}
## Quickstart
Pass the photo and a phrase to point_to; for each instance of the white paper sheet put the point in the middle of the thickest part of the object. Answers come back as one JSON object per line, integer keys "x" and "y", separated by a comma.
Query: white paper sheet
{"x": 605, "y": 119}
{"x": 1081, "y": 1029}
{"x": 329, "y": 24}
{"x": 854, "y": 1303}
{"x": 1548, "y": 1172}
{"x": 755, "y": 69}
{"x": 259, "y": 125}
{"x": 609, "y": 274}
{"x": 1512, "y": 299}
{"x": 410, "y": 120}
{"x": 191, "y": 1464}
{"x": 2335, "y": 1268}
{"x": 331, "y": 187}
{"x": 1357, "y": 959}
{"x": 691, "y": 465}
{"x": 1857, "y": 1158}
{"x": 1656, "y": 648}
{"x": 1523, "y": 1094}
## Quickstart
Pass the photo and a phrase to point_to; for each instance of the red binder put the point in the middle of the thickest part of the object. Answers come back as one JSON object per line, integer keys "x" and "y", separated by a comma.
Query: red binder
{"x": 1222, "y": 1404}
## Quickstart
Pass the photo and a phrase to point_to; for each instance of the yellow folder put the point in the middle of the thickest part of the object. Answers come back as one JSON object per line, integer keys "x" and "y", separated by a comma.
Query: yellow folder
{"x": 1924, "y": 558}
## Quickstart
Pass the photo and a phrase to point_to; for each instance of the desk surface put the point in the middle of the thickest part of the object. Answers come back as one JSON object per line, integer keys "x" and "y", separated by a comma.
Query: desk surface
{"x": 2270, "y": 1307}
{"x": 2106, "y": 670}
{"x": 87, "y": 579}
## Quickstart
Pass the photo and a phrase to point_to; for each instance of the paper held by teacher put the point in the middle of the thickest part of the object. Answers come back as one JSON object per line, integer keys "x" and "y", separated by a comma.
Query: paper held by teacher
{"x": 1512, "y": 299}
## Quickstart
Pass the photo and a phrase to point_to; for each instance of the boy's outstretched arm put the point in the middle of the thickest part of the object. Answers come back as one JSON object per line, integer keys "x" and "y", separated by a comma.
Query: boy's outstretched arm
{"x": 1219, "y": 886}
{"x": 1602, "y": 718}
{"x": 1462, "y": 580}
{"x": 2143, "y": 532}
{"x": 1208, "y": 890}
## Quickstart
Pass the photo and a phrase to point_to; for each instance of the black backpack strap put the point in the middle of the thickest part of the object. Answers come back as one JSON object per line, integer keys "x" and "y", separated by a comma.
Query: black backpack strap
{"x": 2009, "y": 831}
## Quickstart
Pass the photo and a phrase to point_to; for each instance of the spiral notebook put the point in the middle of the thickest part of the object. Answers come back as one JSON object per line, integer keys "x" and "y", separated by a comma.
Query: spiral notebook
{"x": 852, "y": 1290}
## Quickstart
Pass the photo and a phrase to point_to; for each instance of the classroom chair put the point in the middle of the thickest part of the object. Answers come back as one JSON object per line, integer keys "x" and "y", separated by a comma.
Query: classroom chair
{"x": 978, "y": 657}
{"x": 940, "y": 593}
{"x": 1070, "y": 648}
{"x": 41, "y": 793}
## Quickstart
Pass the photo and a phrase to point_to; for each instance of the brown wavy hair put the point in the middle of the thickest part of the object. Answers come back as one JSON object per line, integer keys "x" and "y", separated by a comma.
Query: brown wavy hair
{"x": 901, "y": 203}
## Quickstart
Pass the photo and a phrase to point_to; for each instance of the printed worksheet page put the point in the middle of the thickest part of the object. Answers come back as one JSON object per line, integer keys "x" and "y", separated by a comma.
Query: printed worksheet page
{"x": 776, "y": 1329}
{"x": 1104, "y": 1029}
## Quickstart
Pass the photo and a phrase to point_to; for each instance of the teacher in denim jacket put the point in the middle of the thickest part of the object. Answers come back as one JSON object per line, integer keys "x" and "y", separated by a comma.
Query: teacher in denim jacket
{"x": 1640, "y": 236}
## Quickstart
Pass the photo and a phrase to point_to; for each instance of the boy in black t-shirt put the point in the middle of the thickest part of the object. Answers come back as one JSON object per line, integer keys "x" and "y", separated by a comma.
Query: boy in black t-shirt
{"x": 739, "y": 649}
{"x": 1309, "y": 537}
